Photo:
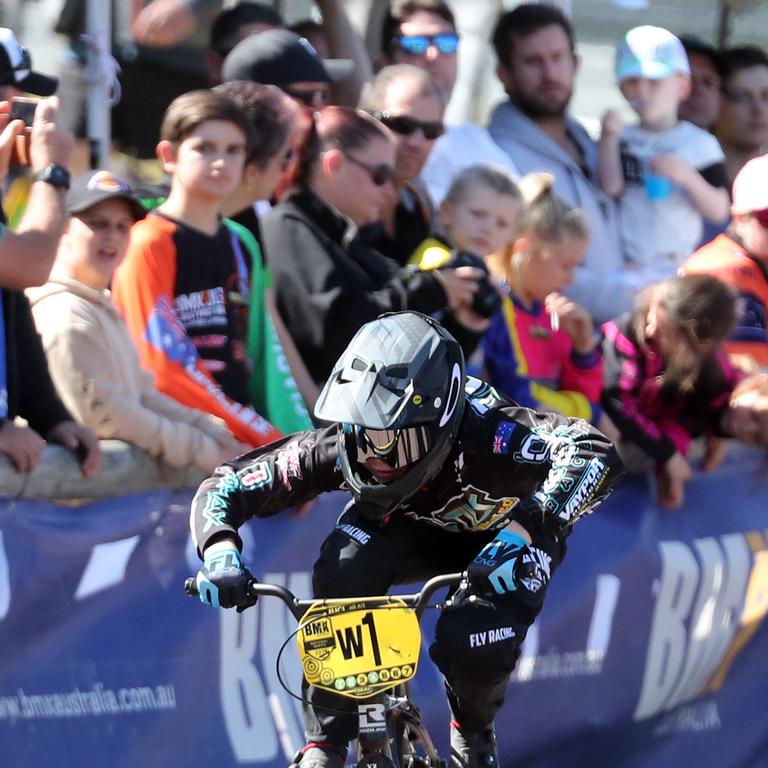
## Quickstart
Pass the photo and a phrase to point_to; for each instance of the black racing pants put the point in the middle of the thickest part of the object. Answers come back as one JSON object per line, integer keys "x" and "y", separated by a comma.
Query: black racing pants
{"x": 362, "y": 557}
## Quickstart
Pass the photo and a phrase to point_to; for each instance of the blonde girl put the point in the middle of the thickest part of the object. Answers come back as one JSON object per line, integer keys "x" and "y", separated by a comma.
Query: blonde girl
{"x": 541, "y": 349}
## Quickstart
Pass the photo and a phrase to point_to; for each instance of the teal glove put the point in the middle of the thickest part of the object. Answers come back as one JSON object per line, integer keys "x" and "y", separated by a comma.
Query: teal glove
{"x": 509, "y": 566}
{"x": 223, "y": 581}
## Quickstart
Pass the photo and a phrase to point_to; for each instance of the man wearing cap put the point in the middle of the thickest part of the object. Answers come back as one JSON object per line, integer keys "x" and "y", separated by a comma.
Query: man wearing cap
{"x": 26, "y": 255}
{"x": 668, "y": 174}
{"x": 282, "y": 58}
{"x": 740, "y": 258}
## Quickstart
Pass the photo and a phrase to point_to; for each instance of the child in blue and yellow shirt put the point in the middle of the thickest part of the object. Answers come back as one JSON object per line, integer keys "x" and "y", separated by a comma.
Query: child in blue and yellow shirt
{"x": 541, "y": 349}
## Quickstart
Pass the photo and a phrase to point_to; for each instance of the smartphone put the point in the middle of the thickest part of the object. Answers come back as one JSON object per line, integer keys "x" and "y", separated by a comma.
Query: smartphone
{"x": 22, "y": 108}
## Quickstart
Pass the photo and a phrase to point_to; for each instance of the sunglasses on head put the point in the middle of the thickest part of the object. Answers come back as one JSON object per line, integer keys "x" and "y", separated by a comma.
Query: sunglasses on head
{"x": 380, "y": 174}
{"x": 406, "y": 126}
{"x": 417, "y": 45}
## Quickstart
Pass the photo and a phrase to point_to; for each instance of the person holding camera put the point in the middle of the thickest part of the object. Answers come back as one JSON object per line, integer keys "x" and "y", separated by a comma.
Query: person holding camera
{"x": 26, "y": 258}
{"x": 541, "y": 348}
{"x": 328, "y": 278}
{"x": 478, "y": 217}
{"x": 32, "y": 134}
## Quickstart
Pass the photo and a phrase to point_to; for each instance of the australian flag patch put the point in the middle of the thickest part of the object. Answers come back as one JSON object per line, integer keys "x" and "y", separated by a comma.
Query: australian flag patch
{"x": 501, "y": 438}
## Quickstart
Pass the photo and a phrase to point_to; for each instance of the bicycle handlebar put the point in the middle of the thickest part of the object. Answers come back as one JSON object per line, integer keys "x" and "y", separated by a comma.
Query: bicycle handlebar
{"x": 418, "y": 600}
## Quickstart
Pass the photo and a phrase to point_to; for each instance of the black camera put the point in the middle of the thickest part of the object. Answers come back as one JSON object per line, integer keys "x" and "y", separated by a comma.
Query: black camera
{"x": 487, "y": 301}
{"x": 23, "y": 108}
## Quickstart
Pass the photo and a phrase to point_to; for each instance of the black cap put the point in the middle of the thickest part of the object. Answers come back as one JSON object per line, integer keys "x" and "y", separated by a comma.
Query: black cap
{"x": 16, "y": 68}
{"x": 279, "y": 57}
{"x": 695, "y": 44}
{"x": 94, "y": 187}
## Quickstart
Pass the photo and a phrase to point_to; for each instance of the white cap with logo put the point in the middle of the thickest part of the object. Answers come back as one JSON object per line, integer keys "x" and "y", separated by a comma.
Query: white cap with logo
{"x": 651, "y": 52}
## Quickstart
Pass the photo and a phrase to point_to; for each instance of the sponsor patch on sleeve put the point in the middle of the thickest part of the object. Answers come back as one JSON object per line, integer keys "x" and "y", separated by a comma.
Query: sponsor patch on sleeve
{"x": 255, "y": 476}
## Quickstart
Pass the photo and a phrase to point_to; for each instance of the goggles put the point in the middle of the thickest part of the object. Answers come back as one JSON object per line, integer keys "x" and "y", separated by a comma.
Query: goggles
{"x": 446, "y": 43}
{"x": 406, "y": 126}
{"x": 397, "y": 447}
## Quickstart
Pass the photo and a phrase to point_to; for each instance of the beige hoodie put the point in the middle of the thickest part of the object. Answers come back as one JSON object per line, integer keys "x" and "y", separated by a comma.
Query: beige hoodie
{"x": 96, "y": 370}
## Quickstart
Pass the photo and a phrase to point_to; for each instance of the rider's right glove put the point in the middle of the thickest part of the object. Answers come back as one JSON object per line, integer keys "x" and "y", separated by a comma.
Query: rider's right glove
{"x": 223, "y": 581}
{"x": 509, "y": 566}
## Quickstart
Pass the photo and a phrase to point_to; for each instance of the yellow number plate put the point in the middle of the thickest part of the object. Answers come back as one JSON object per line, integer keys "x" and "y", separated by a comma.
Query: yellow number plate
{"x": 357, "y": 648}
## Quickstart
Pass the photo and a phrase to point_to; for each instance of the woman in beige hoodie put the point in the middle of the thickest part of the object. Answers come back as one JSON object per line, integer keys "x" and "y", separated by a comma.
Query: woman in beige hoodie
{"x": 91, "y": 356}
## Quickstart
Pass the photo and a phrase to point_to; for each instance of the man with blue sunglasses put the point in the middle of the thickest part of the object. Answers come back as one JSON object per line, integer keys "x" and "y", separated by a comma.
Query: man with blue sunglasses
{"x": 423, "y": 33}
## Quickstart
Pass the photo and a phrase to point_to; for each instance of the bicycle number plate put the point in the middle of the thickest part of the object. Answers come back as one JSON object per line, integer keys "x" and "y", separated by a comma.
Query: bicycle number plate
{"x": 357, "y": 648}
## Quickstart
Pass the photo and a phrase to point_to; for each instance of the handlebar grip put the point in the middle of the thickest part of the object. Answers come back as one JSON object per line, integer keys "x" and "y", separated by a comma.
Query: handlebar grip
{"x": 190, "y": 587}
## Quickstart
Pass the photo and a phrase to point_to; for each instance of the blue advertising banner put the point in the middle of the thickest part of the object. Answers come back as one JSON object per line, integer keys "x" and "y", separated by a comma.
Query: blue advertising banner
{"x": 649, "y": 650}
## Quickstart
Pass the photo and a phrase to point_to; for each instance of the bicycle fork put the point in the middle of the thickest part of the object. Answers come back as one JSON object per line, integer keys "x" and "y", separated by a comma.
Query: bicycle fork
{"x": 374, "y": 732}
{"x": 388, "y": 724}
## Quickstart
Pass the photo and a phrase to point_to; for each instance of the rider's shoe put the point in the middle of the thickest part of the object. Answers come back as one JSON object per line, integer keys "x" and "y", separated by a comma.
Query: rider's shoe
{"x": 473, "y": 749}
{"x": 318, "y": 755}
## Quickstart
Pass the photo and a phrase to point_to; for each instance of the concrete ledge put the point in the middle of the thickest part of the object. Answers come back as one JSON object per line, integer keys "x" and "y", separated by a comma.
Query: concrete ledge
{"x": 124, "y": 470}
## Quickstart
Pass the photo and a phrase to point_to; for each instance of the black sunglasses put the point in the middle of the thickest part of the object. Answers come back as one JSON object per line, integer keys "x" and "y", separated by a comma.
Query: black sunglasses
{"x": 380, "y": 174}
{"x": 406, "y": 126}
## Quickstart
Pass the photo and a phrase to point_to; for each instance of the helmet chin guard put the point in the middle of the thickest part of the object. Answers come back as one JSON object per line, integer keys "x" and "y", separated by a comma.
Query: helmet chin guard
{"x": 400, "y": 371}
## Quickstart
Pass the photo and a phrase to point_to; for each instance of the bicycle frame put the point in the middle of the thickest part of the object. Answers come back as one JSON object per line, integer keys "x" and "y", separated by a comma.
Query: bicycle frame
{"x": 388, "y": 721}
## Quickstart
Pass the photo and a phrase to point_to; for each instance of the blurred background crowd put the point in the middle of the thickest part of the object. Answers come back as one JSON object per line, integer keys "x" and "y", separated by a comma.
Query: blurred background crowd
{"x": 206, "y": 199}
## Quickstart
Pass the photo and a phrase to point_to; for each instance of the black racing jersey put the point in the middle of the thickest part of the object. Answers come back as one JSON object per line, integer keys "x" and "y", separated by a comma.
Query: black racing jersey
{"x": 508, "y": 463}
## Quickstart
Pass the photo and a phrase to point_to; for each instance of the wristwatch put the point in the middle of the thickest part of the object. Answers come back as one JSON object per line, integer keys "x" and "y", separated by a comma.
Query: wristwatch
{"x": 55, "y": 175}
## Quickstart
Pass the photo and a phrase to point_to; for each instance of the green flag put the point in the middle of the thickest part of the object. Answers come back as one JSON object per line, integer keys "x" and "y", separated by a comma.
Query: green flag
{"x": 273, "y": 390}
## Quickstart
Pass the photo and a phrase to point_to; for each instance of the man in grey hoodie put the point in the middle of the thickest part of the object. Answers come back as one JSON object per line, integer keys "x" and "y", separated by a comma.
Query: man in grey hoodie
{"x": 537, "y": 65}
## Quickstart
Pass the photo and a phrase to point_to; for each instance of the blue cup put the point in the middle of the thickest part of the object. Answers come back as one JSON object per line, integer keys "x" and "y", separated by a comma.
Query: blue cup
{"x": 657, "y": 187}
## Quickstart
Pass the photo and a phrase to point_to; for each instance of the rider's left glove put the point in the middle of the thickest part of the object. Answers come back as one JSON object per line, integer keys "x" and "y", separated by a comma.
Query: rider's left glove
{"x": 223, "y": 580}
{"x": 509, "y": 566}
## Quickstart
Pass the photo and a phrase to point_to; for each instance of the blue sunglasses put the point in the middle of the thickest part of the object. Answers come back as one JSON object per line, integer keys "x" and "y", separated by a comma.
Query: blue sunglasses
{"x": 417, "y": 45}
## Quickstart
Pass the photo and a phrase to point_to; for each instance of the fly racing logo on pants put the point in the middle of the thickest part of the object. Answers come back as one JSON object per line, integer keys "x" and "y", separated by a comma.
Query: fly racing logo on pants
{"x": 490, "y": 636}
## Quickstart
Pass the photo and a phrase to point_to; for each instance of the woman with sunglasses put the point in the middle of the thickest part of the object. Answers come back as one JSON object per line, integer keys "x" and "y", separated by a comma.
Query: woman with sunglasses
{"x": 328, "y": 279}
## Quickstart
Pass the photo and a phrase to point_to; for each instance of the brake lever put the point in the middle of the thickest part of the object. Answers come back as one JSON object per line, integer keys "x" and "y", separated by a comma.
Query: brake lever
{"x": 462, "y": 595}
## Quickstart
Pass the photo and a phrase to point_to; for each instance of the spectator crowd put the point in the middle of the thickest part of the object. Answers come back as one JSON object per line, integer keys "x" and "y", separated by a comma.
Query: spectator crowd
{"x": 305, "y": 189}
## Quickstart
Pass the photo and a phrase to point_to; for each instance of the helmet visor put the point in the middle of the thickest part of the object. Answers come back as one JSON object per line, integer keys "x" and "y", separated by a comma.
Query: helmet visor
{"x": 397, "y": 447}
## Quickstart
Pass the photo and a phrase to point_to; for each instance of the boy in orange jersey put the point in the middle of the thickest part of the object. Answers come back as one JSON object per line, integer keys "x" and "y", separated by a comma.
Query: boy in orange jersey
{"x": 183, "y": 287}
{"x": 740, "y": 258}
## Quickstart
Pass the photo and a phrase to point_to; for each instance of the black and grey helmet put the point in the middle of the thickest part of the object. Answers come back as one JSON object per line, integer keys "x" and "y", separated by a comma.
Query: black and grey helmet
{"x": 397, "y": 392}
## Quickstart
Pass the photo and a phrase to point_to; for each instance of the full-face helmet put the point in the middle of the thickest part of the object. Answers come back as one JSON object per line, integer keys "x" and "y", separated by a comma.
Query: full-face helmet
{"x": 397, "y": 393}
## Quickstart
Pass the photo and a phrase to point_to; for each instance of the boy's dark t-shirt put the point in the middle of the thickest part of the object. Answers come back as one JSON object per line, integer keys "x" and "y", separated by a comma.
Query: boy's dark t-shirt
{"x": 184, "y": 296}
